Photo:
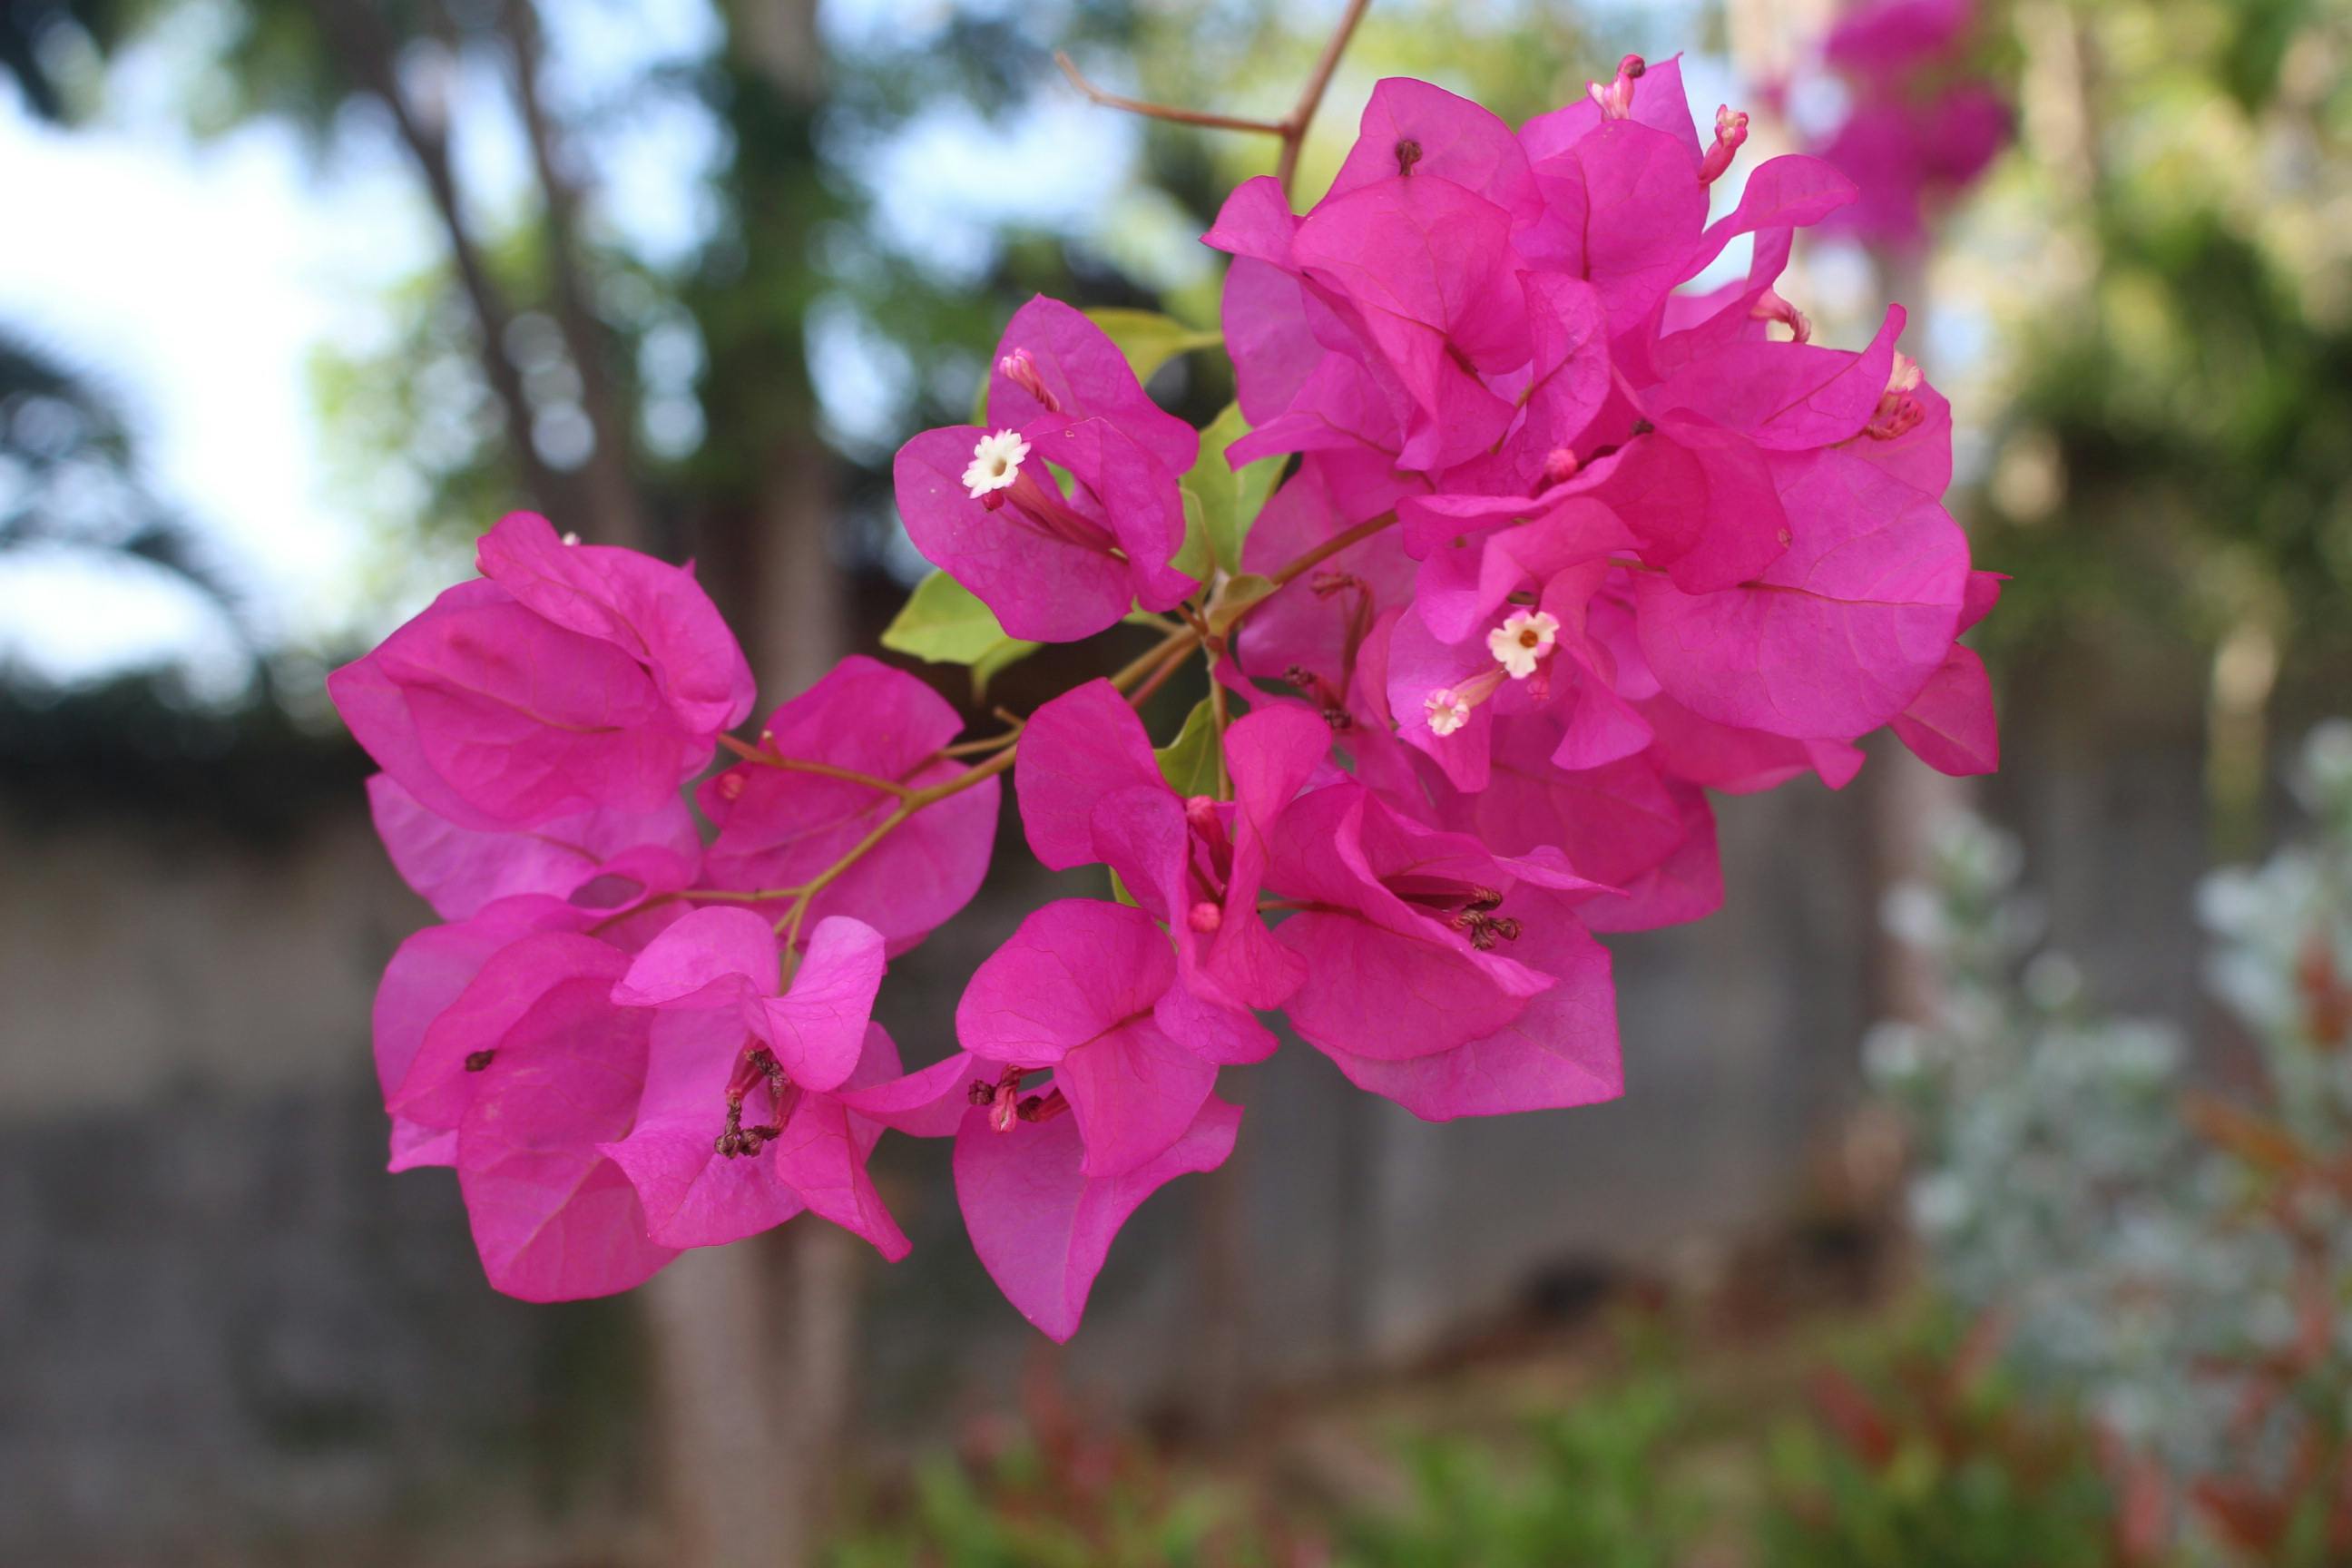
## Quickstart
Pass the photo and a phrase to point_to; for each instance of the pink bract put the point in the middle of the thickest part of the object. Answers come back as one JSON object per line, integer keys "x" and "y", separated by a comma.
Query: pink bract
{"x": 1564, "y": 545}
{"x": 1075, "y": 990}
{"x": 1055, "y": 565}
{"x": 1043, "y": 1227}
{"x": 568, "y": 680}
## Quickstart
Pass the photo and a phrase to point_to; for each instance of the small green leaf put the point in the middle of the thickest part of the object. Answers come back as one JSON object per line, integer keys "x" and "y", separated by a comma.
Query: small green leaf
{"x": 1189, "y": 762}
{"x": 1149, "y": 339}
{"x": 1195, "y": 558}
{"x": 1229, "y": 498}
{"x": 1240, "y": 594}
{"x": 1119, "y": 890}
{"x": 942, "y": 622}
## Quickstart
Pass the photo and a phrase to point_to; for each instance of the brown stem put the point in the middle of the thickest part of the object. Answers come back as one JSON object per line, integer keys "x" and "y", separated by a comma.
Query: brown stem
{"x": 1142, "y": 676}
{"x": 615, "y": 513}
{"x": 1294, "y": 135}
{"x": 1219, "y": 717}
{"x": 1332, "y": 546}
{"x": 1160, "y": 111}
{"x": 1160, "y": 675}
{"x": 767, "y": 759}
{"x": 1291, "y": 129}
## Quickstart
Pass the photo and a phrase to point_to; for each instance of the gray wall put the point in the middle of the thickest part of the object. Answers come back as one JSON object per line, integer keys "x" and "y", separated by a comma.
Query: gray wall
{"x": 227, "y": 1335}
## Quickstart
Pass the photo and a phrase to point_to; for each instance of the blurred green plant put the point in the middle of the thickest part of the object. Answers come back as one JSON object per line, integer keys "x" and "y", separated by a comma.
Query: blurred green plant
{"x": 1065, "y": 1501}
{"x": 1592, "y": 1489}
{"x": 2178, "y": 1259}
{"x": 2166, "y": 477}
{"x": 1928, "y": 1458}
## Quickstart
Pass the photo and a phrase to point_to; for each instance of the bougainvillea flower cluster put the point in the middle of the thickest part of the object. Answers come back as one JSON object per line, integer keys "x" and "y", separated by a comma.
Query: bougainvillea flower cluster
{"x": 1922, "y": 123}
{"x": 1547, "y": 546}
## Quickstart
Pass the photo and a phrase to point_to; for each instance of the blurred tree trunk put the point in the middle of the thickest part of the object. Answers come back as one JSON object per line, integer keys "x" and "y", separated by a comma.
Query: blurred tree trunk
{"x": 724, "y": 1478}
{"x": 614, "y": 512}
{"x": 367, "y": 51}
{"x": 777, "y": 1315}
{"x": 1907, "y": 798}
{"x": 1220, "y": 1367}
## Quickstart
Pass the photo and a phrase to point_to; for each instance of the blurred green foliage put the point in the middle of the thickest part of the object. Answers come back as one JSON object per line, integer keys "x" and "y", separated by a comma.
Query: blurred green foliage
{"x": 1925, "y": 1457}
{"x": 1043, "y": 1505}
{"x": 1904, "y": 1448}
{"x": 2173, "y": 285}
{"x": 1592, "y": 1490}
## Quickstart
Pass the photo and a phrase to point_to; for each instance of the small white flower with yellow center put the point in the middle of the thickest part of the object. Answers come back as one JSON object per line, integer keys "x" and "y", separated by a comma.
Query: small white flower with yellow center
{"x": 995, "y": 463}
{"x": 1521, "y": 640}
{"x": 1448, "y": 710}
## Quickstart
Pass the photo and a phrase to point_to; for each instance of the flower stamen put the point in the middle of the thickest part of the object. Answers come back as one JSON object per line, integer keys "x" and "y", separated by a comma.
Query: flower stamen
{"x": 1522, "y": 640}
{"x": 1899, "y": 409}
{"x": 995, "y": 463}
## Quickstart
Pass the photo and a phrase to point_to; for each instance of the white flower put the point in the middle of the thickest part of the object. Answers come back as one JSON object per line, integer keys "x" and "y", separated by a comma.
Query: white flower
{"x": 995, "y": 463}
{"x": 1448, "y": 710}
{"x": 1521, "y": 640}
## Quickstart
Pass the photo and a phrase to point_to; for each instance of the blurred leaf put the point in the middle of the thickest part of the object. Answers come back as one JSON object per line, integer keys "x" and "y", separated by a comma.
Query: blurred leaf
{"x": 942, "y": 623}
{"x": 1149, "y": 339}
{"x": 1195, "y": 558}
{"x": 1189, "y": 762}
{"x": 1229, "y": 498}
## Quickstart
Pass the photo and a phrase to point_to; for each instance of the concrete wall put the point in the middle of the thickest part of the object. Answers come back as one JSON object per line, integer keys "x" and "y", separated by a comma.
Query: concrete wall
{"x": 227, "y": 1335}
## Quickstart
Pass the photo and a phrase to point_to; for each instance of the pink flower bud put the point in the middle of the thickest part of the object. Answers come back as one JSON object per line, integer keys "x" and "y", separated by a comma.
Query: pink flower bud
{"x": 1730, "y": 131}
{"x": 1616, "y": 99}
{"x": 1020, "y": 368}
{"x": 1770, "y": 307}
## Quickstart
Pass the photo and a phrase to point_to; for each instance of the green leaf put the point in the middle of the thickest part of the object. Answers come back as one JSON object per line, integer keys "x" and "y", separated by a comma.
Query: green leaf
{"x": 1189, "y": 762}
{"x": 1229, "y": 497}
{"x": 941, "y": 621}
{"x": 1195, "y": 558}
{"x": 1149, "y": 339}
{"x": 1119, "y": 890}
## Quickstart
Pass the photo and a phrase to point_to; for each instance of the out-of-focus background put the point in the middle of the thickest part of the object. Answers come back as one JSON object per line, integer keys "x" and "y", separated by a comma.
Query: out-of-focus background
{"x": 1979, "y": 1194}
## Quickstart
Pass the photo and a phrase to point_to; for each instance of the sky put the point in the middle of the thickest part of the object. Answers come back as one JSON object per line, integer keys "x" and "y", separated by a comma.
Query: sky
{"x": 195, "y": 279}
{"x": 191, "y": 282}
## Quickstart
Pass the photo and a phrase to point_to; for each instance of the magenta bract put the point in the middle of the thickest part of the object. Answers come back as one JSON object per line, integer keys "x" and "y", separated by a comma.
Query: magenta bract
{"x": 1565, "y": 547}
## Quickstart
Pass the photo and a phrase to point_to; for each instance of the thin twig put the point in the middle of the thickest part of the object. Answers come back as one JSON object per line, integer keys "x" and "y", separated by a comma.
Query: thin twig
{"x": 1294, "y": 129}
{"x": 1332, "y": 546}
{"x": 1164, "y": 111}
{"x": 768, "y": 758}
{"x": 1290, "y": 130}
{"x": 1159, "y": 678}
{"x": 1142, "y": 676}
{"x": 1219, "y": 717}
